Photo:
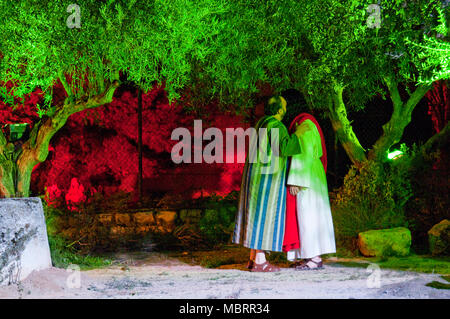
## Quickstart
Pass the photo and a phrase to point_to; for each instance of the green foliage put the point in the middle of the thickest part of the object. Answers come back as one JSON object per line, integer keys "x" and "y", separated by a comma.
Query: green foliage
{"x": 335, "y": 45}
{"x": 438, "y": 285}
{"x": 419, "y": 263}
{"x": 430, "y": 201}
{"x": 216, "y": 261}
{"x": 372, "y": 197}
{"x": 217, "y": 223}
{"x": 217, "y": 48}
{"x": 64, "y": 255}
{"x": 432, "y": 56}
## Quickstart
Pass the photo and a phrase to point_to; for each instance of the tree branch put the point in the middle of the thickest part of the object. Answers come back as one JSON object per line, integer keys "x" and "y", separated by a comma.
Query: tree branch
{"x": 400, "y": 118}
{"x": 438, "y": 140}
{"x": 414, "y": 99}
{"x": 35, "y": 149}
{"x": 54, "y": 123}
{"x": 393, "y": 91}
{"x": 343, "y": 128}
{"x": 62, "y": 78}
{"x": 3, "y": 140}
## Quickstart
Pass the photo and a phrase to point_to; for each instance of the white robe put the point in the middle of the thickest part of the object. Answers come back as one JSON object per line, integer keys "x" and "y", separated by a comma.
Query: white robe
{"x": 315, "y": 223}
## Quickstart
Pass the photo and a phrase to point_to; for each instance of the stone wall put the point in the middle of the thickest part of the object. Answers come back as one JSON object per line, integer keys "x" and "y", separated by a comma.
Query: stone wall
{"x": 127, "y": 226}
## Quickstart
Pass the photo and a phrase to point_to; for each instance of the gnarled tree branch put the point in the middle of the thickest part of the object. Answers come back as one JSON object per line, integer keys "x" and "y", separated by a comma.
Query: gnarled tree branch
{"x": 400, "y": 118}
{"x": 35, "y": 150}
{"x": 343, "y": 128}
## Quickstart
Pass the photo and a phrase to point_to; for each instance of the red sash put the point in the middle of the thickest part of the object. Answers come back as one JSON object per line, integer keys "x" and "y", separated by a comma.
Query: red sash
{"x": 291, "y": 238}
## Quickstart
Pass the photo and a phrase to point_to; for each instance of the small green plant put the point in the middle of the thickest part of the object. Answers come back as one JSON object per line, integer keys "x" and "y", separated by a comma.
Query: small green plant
{"x": 64, "y": 255}
{"x": 217, "y": 223}
{"x": 438, "y": 285}
{"x": 214, "y": 261}
{"x": 62, "y": 252}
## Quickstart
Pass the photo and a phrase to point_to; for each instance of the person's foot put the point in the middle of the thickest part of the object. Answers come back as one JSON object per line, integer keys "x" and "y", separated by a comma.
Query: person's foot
{"x": 264, "y": 267}
{"x": 311, "y": 264}
{"x": 250, "y": 264}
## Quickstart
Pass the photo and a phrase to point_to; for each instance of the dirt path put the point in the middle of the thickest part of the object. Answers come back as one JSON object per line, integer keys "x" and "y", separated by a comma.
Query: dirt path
{"x": 159, "y": 276}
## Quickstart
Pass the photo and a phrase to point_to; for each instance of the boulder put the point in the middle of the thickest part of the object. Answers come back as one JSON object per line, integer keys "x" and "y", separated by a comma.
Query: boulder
{"x": 385, "y": 242}
{"x": 190, "y": 216}
{"x": 123, "y": 219}
{"x": 166, "y": 220}
{"x": 144, "y": 218}
{"x": 105, "y": 219}
{"x": 439, "y": 238}
{"x": 23, "y": 239}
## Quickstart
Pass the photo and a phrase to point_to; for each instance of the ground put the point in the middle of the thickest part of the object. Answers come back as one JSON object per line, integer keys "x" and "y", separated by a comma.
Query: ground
{"x": 181, "y": 275}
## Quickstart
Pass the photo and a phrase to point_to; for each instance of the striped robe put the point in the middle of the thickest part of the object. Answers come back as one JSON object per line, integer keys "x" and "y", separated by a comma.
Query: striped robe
{"x": 260, "y": 220}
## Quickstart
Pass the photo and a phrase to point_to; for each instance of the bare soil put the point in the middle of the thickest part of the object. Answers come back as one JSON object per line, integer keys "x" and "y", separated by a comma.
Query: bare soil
{"x": 179, "y": 275}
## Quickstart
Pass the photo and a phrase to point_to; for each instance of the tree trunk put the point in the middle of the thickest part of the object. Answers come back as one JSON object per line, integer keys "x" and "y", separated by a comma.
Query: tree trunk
{"x": 7, "y": 176}
{"x": 401, "y": 117}
{"x": 343, "y": 128}
{"x": 8, "y": 166}
{"x": 25, "y": 166}
{"x": 17, "y": 165}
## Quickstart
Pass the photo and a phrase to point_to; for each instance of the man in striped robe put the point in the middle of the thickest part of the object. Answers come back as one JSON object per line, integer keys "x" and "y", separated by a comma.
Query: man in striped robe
{"x": 260, "y": 220}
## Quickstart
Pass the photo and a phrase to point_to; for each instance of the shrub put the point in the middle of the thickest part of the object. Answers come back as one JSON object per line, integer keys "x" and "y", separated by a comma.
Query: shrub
{"x": 373, "y": 196}
{"x": 430, "y": 201}
{"x": 215, "y": 261}
{"x": 217, "y": 223}
{"x": 62, "y": 252}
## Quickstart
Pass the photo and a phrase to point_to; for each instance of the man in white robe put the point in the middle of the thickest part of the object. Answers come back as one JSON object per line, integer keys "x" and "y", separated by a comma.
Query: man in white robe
{"x": 307, "y": 182}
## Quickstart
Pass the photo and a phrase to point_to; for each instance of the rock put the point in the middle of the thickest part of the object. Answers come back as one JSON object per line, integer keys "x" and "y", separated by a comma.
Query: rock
{"x": 385, "y": 242}
{"x": 121, "y": 231}
{"x": 140, "y": 230}
{"x": 190, "y": 215}
{"x": 144, "y": 218}
{"x": 23, "y": 239}
{"x": 105, "y": 219}
{"x": 123, "y": 219}
{"x": 166, "y": 220}
{"x": 439, "y": 238}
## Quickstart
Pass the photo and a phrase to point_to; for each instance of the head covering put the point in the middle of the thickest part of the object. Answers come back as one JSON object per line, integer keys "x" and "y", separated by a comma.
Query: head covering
{"x": 305, "y": 116}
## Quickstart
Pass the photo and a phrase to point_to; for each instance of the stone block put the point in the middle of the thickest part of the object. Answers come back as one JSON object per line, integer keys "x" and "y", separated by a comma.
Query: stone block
{"x": 166, "y": 220}
{"x": 23, "y": 239}
{"x": 105, "y": 219}
{"x": 123, "y": 219}
{"x": 439, "y": 238}
{"x": 144, "y": 218}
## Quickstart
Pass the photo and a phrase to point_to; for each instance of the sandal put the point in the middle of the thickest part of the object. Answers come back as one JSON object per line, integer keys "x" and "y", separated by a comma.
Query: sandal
{"x": 250, "y": 264}
{"x": 264, "y": 267}
{"x": 304, "y": 266}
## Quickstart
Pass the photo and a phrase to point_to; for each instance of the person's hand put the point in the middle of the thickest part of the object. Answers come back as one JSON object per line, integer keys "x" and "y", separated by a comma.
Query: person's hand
{"x": 299, "y": 129}
{"x": 294, "y": 190}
